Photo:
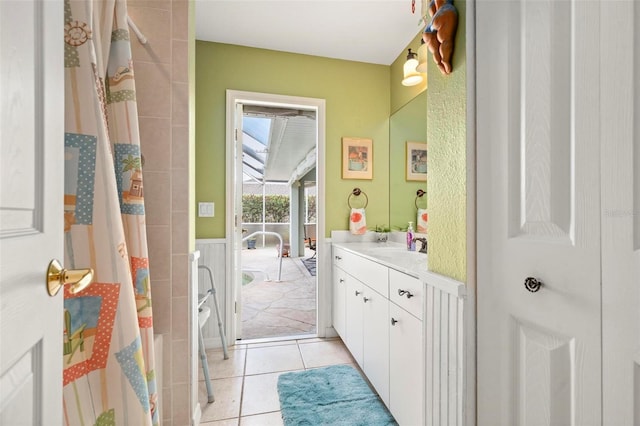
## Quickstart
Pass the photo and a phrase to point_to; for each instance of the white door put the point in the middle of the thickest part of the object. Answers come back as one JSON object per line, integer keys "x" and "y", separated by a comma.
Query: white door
{"x": 237, "y": 230}
{"x": 31, "y": 187}
{"x": 620, "y": 112}
{"x": 538, "y": 137}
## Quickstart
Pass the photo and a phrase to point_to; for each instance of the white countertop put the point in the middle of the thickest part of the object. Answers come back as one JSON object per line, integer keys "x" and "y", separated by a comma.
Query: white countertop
{"x": 390, "y": 254}
{"x": 396, "y": 256}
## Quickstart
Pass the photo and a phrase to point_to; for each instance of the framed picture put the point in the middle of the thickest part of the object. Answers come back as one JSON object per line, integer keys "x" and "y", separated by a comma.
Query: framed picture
{"x": 357, "y": 158}
{"x": 417, "y": 161}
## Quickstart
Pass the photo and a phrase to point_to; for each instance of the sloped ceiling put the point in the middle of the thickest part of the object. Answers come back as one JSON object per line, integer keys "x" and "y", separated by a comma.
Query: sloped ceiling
{"x": 373, "y": 31}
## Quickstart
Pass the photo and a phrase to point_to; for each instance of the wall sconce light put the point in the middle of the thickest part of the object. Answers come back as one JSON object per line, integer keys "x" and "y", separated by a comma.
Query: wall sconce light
{"x": 411, "y": 76}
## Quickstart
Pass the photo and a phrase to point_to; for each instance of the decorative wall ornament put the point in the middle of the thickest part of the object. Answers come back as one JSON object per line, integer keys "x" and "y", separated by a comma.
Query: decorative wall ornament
{"x": 357, "y": 158}
{"x": 440, "y": 33}
{"x": 416, "y": 163}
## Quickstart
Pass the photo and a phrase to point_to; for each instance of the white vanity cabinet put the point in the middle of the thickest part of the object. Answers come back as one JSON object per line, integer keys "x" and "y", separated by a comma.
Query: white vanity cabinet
{"x": 406, "y": 348}
{"x": 359, "y": 285}
{"x": 382, "y": 336}
{"x": 407, "y": 328}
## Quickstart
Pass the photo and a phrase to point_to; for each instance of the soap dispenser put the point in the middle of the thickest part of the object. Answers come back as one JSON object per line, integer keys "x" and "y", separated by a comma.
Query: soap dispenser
{"x": 411, "y": 245}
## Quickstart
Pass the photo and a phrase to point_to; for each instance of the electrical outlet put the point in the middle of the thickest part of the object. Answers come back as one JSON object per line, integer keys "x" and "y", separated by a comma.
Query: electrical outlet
{"x": 206, "y": 210}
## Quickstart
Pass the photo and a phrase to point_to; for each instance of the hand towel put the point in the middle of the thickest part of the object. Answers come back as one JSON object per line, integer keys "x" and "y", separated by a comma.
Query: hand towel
{"x": 423, "y": 217}
{"x": 357, "y": 222}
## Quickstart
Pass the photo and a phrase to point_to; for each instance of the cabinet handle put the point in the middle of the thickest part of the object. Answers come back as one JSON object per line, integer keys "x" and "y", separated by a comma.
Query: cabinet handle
{"x": 366, "y": 299}
{"x": 393, "y": 321}
{"x": 403, "y": 292}
{"x": 341, "y": 280}
{"x": 338, "y": 258}
{"x": 358, "y": 293}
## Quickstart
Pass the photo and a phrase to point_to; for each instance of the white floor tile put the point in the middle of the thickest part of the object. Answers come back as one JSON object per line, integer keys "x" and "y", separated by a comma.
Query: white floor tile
{"x": 322, "y": 354}
{"x": 260, "y": 394}
{"x": 273, "y": 359}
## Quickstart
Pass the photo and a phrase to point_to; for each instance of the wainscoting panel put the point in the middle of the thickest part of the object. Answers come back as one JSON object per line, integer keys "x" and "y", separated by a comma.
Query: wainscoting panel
{"x": 213, "y": 254}
{"x": 446, "y": 347}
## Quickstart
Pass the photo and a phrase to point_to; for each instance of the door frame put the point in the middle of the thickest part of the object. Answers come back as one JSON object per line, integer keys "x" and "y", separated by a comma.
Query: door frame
{"x": 323, "y": 290}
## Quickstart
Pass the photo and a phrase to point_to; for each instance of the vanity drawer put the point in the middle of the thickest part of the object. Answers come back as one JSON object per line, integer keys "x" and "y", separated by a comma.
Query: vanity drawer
{"x": 338, "y": 257}
{"x": 403, "y": 283}
{"x": 366, "y": 271}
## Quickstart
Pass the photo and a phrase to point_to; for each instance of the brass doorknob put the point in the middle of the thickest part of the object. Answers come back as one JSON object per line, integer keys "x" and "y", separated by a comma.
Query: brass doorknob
{"x": 57, "y": 277}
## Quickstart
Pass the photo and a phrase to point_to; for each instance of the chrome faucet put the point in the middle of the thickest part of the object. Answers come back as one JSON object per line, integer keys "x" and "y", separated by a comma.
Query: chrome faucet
{"x": 423, "y": 246}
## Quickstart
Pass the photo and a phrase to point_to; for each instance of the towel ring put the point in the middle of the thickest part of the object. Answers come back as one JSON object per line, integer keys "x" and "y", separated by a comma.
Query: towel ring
{"x": 419, "y": 194}
{"x": 357, "y": 192}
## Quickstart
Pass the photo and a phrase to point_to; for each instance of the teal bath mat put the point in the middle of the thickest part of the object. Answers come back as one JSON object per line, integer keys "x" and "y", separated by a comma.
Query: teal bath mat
{"x": 335, "y": 395}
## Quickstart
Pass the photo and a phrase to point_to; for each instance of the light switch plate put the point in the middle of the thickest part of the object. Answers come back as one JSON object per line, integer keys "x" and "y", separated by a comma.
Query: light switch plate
{"x": 206, "y": 210}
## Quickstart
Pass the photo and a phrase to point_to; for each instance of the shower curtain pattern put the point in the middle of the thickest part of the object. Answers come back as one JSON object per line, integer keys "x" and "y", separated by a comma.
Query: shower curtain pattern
{"x": 109, "y": 375}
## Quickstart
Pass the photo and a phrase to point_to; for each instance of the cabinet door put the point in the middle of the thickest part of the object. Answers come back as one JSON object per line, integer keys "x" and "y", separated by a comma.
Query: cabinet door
{"x": 406, "y": 393}
{"x": 376, "y": 341}
{"x": 339, "y": 302}
{"x": 354, "y": 312}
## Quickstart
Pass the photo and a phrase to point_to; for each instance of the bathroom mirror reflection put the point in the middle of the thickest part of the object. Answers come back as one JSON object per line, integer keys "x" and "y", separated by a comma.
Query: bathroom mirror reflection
{"x": 407, "y": 124}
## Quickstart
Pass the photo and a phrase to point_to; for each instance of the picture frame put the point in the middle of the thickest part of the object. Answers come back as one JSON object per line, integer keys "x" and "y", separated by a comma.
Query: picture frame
{"x": 416, "y": 162}
{"x": 357, "y": 158}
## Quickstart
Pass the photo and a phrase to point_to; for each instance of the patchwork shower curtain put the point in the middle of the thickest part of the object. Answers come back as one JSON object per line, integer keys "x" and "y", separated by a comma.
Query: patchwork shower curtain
{"x": 109, "y": 376}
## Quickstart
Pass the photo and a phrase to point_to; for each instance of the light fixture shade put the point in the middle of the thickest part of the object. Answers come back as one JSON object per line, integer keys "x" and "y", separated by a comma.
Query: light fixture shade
{"x": 411, "y": 76}
{"x": 423, "y": 55}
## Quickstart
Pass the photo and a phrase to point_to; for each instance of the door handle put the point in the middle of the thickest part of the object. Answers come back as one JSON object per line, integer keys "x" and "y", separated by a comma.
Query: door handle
{"x": 57, "y": 277}
{"x": 532, "y": 284}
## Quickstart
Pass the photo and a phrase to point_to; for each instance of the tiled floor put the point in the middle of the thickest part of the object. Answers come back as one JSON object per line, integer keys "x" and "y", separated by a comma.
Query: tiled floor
{"x": 245, "y": 385}
{"x": 272, "y": 308}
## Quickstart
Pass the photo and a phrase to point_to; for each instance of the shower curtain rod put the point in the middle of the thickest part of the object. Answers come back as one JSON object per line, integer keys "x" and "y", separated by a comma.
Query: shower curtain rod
{"x": 134, "y": 27}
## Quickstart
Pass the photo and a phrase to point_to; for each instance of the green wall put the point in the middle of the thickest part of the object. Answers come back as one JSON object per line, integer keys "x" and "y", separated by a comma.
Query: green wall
{"x": 357, "y": 105}
{"x": 409, "y": 123}
{"x": 192, "y": 125}
{"x": 447, "y": 136}
{"x": 360, "y": 99}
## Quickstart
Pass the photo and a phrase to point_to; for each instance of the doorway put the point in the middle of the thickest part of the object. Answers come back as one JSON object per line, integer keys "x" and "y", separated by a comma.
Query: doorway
{"x": 274, "y": 208}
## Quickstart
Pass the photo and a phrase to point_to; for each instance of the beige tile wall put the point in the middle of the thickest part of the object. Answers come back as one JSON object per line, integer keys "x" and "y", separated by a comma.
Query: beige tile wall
{"x": 161, "y": 70}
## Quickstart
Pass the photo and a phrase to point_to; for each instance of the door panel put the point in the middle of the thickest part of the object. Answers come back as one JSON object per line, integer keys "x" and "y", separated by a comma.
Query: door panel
{"x": 31, "y": 226}
{"x": 540, "y": 152}
{"x": 620, "y": 111}
{"x": 543, "y": 376}
{"x": 538, "y": 123}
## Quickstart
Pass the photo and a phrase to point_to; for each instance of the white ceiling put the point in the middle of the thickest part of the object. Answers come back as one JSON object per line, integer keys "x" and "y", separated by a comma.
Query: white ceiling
{"x": 373, "y": 31}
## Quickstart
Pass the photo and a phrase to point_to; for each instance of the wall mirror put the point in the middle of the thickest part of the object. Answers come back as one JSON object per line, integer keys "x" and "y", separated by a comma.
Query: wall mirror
{"x": 407, "y": 124}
